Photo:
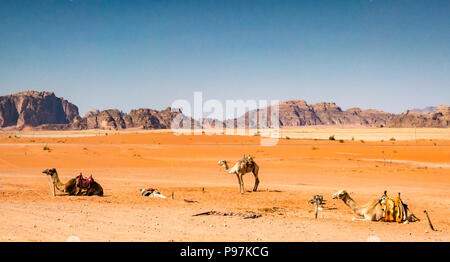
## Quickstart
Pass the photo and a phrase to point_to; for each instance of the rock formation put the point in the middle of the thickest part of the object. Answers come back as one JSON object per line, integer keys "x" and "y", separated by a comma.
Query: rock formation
{"x": 440, "y": 117}
{"x": 45, "y": 111}
{"x": 33, "y": 108}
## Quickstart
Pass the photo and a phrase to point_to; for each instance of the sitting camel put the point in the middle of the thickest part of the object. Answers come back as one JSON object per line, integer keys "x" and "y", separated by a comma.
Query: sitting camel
{"x": 72, "y": 187}
{"x": 242, "y": 167}
{"x": 371, "y": 211}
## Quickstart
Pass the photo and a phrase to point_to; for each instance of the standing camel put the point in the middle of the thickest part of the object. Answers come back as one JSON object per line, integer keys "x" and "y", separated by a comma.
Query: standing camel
{"x": 72, "y": 187}
{"x": 242, "y": 167}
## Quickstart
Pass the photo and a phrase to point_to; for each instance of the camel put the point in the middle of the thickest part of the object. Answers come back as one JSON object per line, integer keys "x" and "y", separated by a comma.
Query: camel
{"x": 71, "y": 188}
{"x": 242, "y": 167}
{"x": 371, "y": 211}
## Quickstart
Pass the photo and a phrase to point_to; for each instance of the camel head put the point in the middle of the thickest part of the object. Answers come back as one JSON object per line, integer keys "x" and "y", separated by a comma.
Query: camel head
{"x": 50, "y": 171}
{"x": 222, "y": 162}
{"x": 340, "y": 194}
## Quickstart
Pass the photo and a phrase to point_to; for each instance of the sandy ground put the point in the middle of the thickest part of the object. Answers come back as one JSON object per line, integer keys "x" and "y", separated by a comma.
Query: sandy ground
{"x": 291, "y": 173}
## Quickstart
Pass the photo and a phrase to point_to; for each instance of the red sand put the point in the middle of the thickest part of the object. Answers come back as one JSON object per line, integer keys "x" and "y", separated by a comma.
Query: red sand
{"x": 291, "y": 173}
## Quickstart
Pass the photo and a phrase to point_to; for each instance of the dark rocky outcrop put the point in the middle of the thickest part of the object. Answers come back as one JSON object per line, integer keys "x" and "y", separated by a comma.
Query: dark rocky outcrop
{"x": 33, "y": 108}
{"x": 296, "y": 113}
{"x": 440, "y": 117}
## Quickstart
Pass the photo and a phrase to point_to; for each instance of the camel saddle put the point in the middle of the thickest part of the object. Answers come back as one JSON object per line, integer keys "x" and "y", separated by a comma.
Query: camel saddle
{"x": 85, "y": 182}
{"x": 394, "y": 209}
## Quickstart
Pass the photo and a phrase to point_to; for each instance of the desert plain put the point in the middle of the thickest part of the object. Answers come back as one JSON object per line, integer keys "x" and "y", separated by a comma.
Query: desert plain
{"x": 302, "y": 164}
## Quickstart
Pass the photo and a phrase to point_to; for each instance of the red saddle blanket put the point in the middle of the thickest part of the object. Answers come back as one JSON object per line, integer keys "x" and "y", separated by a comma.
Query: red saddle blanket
{"x": 84, "y": 182}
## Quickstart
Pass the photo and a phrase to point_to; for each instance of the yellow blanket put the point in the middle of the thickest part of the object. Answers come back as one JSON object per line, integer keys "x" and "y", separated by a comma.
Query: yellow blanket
{"x": 394, "y": 211}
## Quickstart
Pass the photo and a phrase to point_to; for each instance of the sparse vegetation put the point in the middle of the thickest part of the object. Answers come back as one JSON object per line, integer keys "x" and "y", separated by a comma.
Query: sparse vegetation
{"x": 362, "y": 141}
{"x": 46, "y": 148}
{"x": 392, "y": 139}
{"x": 288, "y": 138}
{"x": 331, "y": 138}
{"x": 341, "y": 140}
{"x": 353, "y": 138}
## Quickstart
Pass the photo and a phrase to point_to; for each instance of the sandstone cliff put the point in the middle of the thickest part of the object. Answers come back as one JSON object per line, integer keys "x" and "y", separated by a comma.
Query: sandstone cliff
{"x": 32, "y": 108}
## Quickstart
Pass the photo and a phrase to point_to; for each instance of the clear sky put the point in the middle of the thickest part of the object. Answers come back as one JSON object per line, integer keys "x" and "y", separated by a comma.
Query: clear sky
{"x": 389, "y": 55}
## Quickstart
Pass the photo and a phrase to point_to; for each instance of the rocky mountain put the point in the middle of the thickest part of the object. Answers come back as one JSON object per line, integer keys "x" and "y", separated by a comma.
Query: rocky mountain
{"x": 143, "y": 118}
{"x": 440, "y": 117}
{"x": 294, "y": 113}
{"x": 45, "y": 111}
{"x": 33, "y": 108}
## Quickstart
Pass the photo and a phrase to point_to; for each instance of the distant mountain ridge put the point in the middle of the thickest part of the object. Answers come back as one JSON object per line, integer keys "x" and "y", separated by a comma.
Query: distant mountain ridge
{"x": 45, "y": 111}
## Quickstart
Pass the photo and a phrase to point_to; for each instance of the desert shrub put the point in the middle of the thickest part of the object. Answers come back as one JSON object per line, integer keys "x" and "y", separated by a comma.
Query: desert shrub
{"x": 392, "y": 139}
{"x": 341, "y": 141}
{"x": 331, "y": 138}
{"x": 353, "y": 138}
{"x": 362, "y": 141}
{"x": 46, "y": 148}
{"x": 288, "y": 138}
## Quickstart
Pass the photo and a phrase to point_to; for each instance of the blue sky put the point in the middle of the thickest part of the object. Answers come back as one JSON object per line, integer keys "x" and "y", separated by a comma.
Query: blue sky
{"x": 389, "y": 55}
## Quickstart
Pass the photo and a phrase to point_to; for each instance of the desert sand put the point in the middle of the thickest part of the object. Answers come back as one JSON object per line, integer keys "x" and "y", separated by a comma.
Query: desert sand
{"x": 291, "y": 173}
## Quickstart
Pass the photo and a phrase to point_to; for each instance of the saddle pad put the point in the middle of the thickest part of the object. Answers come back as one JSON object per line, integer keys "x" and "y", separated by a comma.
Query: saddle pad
{"x": 84, "y": 182}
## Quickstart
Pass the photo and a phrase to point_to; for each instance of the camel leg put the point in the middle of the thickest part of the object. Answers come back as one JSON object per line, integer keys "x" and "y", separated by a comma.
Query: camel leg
{"x": 242, "y": 184}
{"x": 360, "y": 219}
{"x": 239, "y": 181}
{"x": 255, "y": 173}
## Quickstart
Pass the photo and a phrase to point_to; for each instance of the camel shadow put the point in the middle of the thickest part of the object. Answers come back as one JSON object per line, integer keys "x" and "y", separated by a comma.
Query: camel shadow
{"x": 262, "y": 191}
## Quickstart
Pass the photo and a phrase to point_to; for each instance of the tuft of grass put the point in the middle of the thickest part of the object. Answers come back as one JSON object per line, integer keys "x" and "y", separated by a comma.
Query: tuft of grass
{"x": 331, "y": 138}
{"x": 362, "y": 141}
{"x": 341, "y": 141}
{"x": 288, "y": 138}
{"x": 353, "y": 138}
{"x": 46, "y": 148}
{"x": 392, "y": 139}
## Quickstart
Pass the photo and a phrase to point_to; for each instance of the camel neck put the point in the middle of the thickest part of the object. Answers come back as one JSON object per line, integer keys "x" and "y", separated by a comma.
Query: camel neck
{"x": 351, "y": 203}
{"x": 225, "y": 165}
{"x": 59, "y": 185}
